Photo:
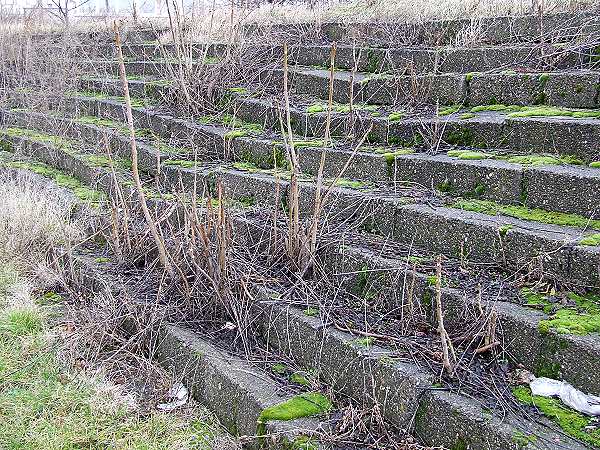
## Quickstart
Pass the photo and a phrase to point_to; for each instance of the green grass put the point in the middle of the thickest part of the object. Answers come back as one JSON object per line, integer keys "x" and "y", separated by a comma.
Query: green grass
{"x": 570, "y": 421}
{"x": 595, "y": 164}
{"x": 43, "y": 405}
{"x": 522, "y": 212}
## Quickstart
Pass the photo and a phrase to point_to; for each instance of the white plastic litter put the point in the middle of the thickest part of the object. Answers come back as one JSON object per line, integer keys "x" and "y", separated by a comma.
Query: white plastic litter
{"x": 178, "y": 395}
{"x": 574, "y": 398}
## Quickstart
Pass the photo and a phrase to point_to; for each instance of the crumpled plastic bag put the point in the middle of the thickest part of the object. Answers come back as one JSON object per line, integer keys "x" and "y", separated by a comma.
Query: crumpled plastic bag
{"x": 574, "y": 398}
{"x": 178, "y": 394}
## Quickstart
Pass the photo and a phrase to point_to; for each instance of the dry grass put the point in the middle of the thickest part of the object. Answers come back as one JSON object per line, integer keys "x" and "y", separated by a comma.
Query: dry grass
{"x": 34, "y": 218}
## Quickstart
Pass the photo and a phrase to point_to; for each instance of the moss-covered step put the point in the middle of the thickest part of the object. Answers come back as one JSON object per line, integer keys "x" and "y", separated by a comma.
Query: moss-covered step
{"x": 442, "y": 59}
{"x": 568, "y": 89}
{"x": 403, "y": 391}
{"x": 544, "y": 130}
{"x": 245, "y": 399}
{"x": 373, "y": 275}
{"x": 157, "y": 68}
{"x": 565, "y": 188}
{"x": 492, "y": 30}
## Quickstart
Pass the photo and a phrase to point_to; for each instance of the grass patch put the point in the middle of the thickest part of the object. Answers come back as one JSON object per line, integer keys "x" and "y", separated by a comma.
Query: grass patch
{"x": 595, "y": 164}
{"x": 524, "y": 213}
{"x": 44, "y": 406}
{"x": 570, "y": 421}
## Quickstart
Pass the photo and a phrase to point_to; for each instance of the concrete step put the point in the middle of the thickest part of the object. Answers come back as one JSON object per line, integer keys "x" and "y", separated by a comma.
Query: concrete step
{"x": 546, "y": 130}
{"x": 492, "y": 30}
{"x": 562, "y": 188}
{"x": 442, "y": 59}
{"x": 574, "y": 89}
{"x": 221, "y": 381}
{"x": 452, "y": 231}
{"x": 403, "y": 392}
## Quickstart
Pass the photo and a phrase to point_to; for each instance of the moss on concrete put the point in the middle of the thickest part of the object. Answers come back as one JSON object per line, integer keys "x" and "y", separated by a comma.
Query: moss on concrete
{"x": 524, "y": 213}
{"x": 570, "y": 421}
{"x": 595, "y": 164}
{"x": 80, "y": 190}
{"x": 302, "y": 405}
{"x": 516, "y": 111}
{"x": 590, "y": 240}
{"x": 395, "y": 116}
{"x": 446, "y": 111}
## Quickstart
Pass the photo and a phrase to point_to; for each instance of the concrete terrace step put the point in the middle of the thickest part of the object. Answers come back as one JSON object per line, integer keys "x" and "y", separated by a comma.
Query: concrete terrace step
{"x": 492, "y": 30}
{"x": 568, "y": 188}
{"x": 487, "y": 129}
{"x": 520, "y": 325}
{"x": 235, "y": 390}
{"x": 373, "y": 59}
{"x": 575, "y": 89}
{"x": 490, "y": 128}
{"x": 404, "y": 393}
{"x": 451, "y": 231}
{"x": 403, "y": 389}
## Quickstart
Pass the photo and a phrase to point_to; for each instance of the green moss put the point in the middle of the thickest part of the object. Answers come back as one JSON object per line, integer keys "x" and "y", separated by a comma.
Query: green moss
{"x": 101, "y": 260}
{"x": 105, "y": 162}
{"x": 495, "y": 107}
{"x": 352, "y": 184}
{"x": 341, "y": 107}
{"x": 595, "y": 165}
{"x": 469, "y": 155}
{"x": 185, "y": 163}
{"x": 590, "y": 240}
{"x": 449, "y": 110}
{"x": 539, "y": 111}
{"x": 279, "y": 368}
{"x": 304, "y": 443}
{"x": 522, "y": 212}
{"x": 303, "y": 405}
{"x": 461, "y": 137}
{"x": 504, "y": 230}
{"x": 432, "y": 280}
{"x": 366, "y": 341}
{"x": 570, "y": 421}
{"x": 469, "y": 76}
{"x": 395, "y": 116}
{"x": 466, "y": 116}
{"x": 37, "y": 136}
{"x": 548, "y": 111}
{"x": 522, "y": 439}
{"x": 531, "y": 160}
{"x": 235, "y": 134}
{"x": 299, "y": 378}
{"x": 445, "y": 186}
{"x": 311, "y": 312}
{"x": 80, "y": 190}
{"x": 583, "y": 317}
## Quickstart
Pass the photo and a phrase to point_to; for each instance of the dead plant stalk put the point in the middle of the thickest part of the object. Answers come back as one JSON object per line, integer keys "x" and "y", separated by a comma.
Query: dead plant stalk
{"x": 162, "y": 251}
